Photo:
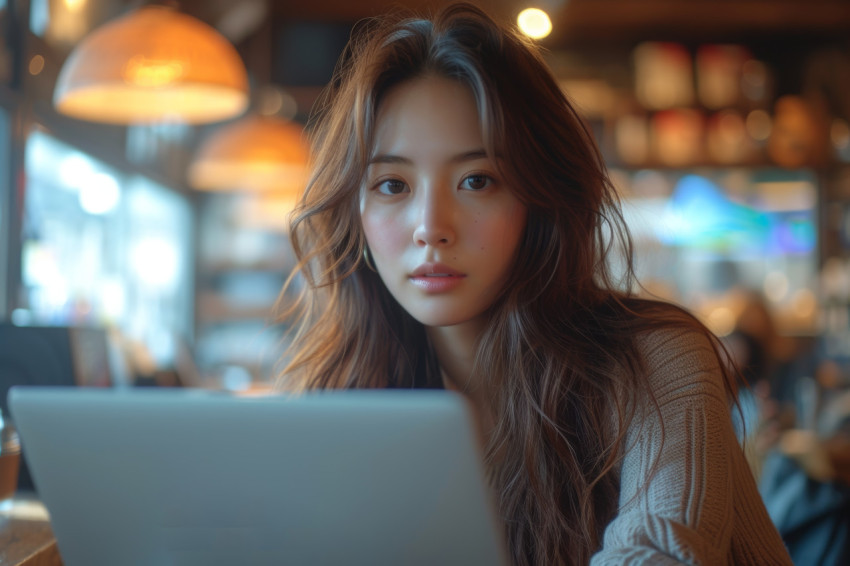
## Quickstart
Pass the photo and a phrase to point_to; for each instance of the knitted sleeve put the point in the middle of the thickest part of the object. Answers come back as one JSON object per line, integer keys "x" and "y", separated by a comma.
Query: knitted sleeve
{"x": 687, "y": 495}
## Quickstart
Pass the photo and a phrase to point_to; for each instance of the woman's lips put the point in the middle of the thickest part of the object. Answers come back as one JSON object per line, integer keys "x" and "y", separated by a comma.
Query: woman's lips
{"x": 436, "y": 278}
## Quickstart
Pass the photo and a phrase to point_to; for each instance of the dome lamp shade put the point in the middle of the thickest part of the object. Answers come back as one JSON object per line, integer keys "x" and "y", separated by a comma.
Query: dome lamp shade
{"x": 253, "y": 153}
{"x": 152, "y": 65}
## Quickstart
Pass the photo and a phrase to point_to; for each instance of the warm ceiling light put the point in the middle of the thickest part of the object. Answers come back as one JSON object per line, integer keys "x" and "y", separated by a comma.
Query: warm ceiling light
{"x": 255, "y": 153}
{"x": 74, "y": 5}
{"x": 534, "y": 23}
{"x": 151, "y": 65}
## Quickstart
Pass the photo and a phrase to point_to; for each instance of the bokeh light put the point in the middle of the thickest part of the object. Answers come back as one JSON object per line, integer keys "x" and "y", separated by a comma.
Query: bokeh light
{"x": 534, "y": 23}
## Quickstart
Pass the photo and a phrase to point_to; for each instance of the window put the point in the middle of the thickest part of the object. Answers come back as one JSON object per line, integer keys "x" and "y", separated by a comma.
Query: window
{"x": 105, "y": 248}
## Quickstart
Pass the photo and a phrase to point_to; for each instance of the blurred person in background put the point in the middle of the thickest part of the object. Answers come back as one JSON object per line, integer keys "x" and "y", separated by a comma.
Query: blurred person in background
{"x": 456, "y": 233}
{"x": 764, "y": 361}
{"x": 796, "y": 423}
{"x": 805, "y": 477}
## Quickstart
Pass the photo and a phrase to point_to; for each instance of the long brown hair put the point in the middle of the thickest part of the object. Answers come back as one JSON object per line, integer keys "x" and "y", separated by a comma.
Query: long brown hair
{"x": 561, "y": 357}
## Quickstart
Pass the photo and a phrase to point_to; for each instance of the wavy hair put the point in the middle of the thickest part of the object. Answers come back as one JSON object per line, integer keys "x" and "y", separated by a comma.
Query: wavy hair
{"x": 561, "y": 357}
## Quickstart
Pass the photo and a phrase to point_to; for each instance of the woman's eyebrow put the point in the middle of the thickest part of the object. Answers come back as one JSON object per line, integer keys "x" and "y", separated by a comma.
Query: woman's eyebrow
{"x": 389, "y": 158}
{"x": 469, "y": 156}
{"x": 398, "y": 159}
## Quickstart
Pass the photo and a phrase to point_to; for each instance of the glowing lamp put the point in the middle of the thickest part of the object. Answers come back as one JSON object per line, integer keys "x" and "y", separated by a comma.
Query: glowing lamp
{"x": 534, "y": 23}
{"x": 254, "y": 153}
{"x": 153, "y": 64}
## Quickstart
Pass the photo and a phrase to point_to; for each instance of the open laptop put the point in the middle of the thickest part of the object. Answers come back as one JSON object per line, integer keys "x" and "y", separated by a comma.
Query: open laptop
{"x": 185, "y": 477}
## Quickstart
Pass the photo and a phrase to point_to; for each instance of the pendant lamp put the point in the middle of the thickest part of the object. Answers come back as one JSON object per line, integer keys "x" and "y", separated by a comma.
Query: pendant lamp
{"x": 257, "y": 153}
{"x": 153, "y": 64}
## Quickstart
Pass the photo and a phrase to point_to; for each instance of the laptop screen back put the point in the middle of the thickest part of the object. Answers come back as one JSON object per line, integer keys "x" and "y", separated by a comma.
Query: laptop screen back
{"x": 195, "y": 477}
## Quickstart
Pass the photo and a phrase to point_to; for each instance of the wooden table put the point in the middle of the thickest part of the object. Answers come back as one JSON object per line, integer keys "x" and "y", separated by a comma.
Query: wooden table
{"x": 26, "y": 538}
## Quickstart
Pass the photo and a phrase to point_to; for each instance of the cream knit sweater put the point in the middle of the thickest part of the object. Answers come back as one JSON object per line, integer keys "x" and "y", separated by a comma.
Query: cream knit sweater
{"x": 701, "y": 505}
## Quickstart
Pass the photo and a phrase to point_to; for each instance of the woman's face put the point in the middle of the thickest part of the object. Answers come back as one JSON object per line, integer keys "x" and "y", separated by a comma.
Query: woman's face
{"x": 443, "y": 229}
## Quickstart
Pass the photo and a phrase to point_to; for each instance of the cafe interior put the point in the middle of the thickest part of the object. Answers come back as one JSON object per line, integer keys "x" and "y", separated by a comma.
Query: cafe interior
{"x": 145, "y": 196}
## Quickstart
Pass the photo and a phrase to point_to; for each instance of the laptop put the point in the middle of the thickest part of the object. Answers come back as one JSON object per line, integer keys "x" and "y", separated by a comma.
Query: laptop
{"x": 192, "y": 477}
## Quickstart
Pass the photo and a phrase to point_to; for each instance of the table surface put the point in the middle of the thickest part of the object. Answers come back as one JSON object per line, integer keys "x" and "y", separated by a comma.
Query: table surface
{"x": 26, "y": 538}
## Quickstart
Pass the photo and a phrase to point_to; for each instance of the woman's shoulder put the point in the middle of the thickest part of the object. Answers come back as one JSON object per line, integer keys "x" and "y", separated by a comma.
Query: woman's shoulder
{"x": 679, "y": 352}
{"x": 677, "y": 345}
{"x": 661, "y": 326}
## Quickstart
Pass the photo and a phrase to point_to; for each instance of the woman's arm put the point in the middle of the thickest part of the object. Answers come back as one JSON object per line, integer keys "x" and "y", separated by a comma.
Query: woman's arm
{"x": 687, "y": 494}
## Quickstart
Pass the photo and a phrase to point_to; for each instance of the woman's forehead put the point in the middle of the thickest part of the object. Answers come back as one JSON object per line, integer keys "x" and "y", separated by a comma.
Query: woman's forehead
{"x": 427, "y": 112}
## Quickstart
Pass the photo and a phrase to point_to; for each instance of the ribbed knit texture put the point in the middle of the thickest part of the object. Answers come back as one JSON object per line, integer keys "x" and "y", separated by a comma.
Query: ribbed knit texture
{"x": 701, "y": 504}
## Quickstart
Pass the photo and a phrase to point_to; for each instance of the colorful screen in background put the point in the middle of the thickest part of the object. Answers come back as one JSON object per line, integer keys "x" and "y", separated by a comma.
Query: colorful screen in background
{"x": 773, "y": 217}
{"x": 699, "y": 236}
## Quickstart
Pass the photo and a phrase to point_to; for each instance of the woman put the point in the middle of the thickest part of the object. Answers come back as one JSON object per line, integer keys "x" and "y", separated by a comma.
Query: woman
{"x": 456, "y": 233}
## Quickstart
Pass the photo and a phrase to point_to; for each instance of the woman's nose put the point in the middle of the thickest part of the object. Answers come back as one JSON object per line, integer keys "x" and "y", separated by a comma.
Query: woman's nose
{"x": 435, "y": 226}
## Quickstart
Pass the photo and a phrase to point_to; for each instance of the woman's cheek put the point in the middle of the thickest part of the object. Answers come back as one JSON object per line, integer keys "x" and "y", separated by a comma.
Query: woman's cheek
{"x": 384, "y": 234}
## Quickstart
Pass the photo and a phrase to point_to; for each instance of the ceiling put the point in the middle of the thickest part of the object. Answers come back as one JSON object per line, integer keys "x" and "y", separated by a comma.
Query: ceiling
{"x": 579, "y": 21}
{"x": 296, "y": 42}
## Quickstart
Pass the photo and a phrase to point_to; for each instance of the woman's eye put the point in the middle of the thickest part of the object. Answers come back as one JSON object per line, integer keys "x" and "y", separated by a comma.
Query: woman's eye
{"x": 476, "y": 182}
{"x": 391, "y": 187}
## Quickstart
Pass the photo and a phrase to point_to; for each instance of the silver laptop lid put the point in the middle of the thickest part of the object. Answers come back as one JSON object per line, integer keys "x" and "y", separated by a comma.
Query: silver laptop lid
{"x": 195, "y": 477}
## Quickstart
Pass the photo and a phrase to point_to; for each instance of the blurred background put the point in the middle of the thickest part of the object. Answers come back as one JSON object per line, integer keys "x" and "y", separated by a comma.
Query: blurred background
{"x": 725, "y": 125}
{"x": 150, "y": 153}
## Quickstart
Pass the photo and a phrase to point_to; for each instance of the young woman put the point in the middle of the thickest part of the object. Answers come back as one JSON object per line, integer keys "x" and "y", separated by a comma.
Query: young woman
{"x": 456, "y": 232}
